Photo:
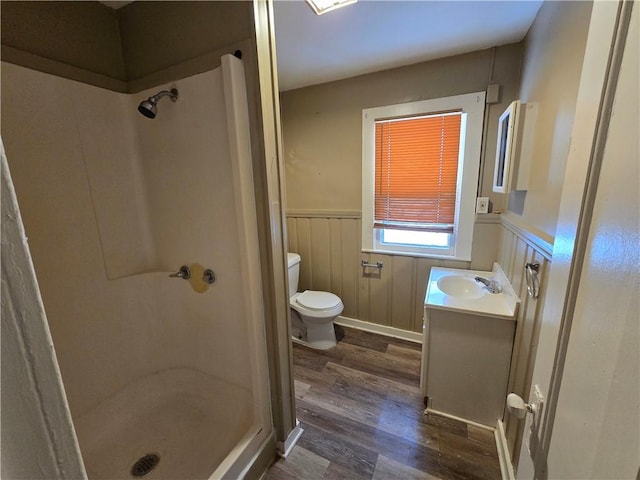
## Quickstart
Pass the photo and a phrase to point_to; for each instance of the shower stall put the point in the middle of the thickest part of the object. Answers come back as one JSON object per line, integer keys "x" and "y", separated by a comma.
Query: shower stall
{"x": 165, "y": 372}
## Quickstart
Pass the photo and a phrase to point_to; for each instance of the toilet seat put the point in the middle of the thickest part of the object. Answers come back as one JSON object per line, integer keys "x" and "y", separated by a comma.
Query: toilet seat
{"x": 315, "y": 304}
{"x": 318, "y": 300}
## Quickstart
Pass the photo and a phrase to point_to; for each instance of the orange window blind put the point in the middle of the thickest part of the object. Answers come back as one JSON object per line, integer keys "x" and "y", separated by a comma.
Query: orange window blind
{"x": 416, "y": 172}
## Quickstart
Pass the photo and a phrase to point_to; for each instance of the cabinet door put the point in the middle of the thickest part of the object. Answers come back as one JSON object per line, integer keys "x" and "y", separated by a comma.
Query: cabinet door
{"x": 468, "y": 365}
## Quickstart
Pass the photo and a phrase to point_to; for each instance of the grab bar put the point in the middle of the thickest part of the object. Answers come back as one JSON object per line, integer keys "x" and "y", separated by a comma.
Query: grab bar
{"x": 366, "y": 264}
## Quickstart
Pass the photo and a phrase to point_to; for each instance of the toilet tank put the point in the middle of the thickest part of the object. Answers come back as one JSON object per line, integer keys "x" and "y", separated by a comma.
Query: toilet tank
{"x": 294, "y": 272}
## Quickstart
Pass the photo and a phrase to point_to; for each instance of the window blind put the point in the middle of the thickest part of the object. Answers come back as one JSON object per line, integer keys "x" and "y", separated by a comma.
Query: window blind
{"x": 416, "y": 171}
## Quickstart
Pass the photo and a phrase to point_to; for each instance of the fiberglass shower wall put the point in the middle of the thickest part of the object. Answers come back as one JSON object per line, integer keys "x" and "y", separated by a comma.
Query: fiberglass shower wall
{"x": 112, "y": 203}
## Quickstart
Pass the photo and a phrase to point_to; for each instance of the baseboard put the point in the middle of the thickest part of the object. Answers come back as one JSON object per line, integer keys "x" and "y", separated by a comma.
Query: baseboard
{"x": 506, "y": 467}
{"x": 284, "y": 448}
{"x": 379, "y": 329}
{"x": 459, "y": 419}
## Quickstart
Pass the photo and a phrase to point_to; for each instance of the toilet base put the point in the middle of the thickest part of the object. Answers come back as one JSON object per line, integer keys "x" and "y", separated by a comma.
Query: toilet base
{"x": 315, "y": 346}
{"x": 319, "y": 337}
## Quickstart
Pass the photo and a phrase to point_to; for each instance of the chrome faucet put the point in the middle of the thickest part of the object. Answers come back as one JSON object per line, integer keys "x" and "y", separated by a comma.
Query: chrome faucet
{"x": 492, "y": 285}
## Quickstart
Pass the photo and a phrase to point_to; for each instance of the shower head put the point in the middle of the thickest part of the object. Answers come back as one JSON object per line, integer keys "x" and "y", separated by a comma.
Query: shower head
{"x": 148, "y": 107}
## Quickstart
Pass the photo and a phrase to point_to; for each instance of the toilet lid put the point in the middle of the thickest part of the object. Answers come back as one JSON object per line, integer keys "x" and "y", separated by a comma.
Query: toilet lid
{"x": 317, "y": 300}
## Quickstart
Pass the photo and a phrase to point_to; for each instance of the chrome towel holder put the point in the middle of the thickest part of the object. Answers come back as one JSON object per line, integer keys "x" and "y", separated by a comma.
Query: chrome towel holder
{"x": 366, "y": 264}
{"x": 532, "y": 271}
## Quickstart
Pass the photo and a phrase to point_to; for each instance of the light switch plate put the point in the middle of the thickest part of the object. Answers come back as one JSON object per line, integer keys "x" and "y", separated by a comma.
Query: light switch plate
{"x": 493, "y": 93}
{"x": 482, "y": 205}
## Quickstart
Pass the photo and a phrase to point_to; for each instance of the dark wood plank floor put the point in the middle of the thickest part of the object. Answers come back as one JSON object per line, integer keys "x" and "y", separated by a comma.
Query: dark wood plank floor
{"x": 362, "y": 413}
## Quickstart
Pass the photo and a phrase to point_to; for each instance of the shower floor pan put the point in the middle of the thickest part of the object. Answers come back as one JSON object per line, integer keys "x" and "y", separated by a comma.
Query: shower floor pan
{"x": 186, "y": 418}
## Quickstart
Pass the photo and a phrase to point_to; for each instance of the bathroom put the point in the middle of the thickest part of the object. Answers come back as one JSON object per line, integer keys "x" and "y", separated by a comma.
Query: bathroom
{"x": 322, "y": 186}
{"x": 324, "y": 178}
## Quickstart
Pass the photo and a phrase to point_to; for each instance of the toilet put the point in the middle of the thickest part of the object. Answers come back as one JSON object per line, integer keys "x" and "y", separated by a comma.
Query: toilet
{"x": 312, "y": 312}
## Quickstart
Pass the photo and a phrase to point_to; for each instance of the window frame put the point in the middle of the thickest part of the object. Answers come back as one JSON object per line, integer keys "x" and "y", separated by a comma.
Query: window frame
{"x": 472, "y": 106}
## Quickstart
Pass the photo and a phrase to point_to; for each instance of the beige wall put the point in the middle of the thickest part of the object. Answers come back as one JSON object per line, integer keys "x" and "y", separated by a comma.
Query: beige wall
{"x": 80, "y": 34}
{"x": 157, "y": 35}
{"x": 322, "y": 124}
{"x": 139, "y": 46}
{"x": 602, "y": 354}
{"x": 323, "y": 157}
{"x": 591, "y": 310}
{"x": 552, "y": 64}
{"x": 553, "y": 54}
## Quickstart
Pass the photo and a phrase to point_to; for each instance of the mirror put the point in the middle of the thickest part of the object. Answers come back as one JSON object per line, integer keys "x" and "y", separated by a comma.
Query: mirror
{"x": 507, "y": 132}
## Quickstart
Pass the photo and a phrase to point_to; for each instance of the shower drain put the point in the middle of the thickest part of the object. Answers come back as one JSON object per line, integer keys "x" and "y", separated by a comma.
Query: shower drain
{"x": 145, "y": 465}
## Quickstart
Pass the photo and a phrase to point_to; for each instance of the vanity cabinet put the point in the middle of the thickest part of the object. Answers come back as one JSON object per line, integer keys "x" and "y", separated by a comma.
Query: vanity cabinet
{"x": 467, "y": 344}
{"x": 468, "y": 359}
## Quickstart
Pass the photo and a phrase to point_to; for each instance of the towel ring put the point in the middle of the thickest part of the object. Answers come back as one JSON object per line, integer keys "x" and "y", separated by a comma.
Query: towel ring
{"x": 532, "y": 271}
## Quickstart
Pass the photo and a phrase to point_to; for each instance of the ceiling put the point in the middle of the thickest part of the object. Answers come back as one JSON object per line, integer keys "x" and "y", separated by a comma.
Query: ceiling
{"x": 374, "y": 35}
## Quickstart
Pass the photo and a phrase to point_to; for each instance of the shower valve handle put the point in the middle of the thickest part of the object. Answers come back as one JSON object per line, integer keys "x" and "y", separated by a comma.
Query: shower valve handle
{"x": 184, "y": 273}
{"x": 209, "y": 276}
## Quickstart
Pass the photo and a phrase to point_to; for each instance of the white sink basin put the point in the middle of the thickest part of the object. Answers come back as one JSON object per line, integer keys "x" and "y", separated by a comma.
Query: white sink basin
{"x": 456, "y": 290}
{"x": 459, "y": 286}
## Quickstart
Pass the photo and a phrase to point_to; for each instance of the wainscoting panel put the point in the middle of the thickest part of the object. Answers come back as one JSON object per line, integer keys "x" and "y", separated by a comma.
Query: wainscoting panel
{"x": 403, "y": 292}
{"x": 327, "y": 247}
{"x": 330, "y": 247}
{"x": 516, "y": 248}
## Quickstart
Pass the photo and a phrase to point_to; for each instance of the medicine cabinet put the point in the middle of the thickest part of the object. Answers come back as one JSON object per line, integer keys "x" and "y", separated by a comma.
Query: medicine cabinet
{"x": 515, "y": 147}
{"x": 505, "y": 148}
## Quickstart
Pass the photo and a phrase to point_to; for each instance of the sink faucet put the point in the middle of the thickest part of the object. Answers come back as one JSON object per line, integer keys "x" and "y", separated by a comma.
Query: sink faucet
{"x": 492, "y": 285}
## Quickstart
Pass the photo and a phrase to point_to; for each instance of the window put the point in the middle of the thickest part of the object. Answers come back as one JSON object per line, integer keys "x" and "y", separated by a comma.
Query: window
{"x": 420, "y": 174}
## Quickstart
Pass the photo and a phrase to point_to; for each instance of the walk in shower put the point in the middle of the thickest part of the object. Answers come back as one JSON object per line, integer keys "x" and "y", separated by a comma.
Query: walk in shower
{"x": 165, "y": 375}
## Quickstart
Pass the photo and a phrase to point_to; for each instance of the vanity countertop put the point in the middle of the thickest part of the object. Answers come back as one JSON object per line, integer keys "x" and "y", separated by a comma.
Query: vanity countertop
{"x": 501, "y": 305}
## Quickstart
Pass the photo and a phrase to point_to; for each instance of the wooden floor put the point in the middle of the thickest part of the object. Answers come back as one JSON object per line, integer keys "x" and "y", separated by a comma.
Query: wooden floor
{"x": 362, "y": 413}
